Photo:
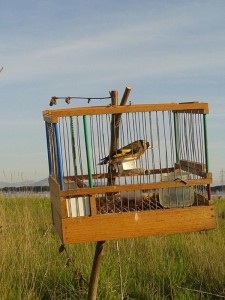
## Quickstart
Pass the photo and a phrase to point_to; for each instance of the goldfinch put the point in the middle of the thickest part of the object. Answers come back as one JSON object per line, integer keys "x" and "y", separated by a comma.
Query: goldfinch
{"x": 131, "y": 151}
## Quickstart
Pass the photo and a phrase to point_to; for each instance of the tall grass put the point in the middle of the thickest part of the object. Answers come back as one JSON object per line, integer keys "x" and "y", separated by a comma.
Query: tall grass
{"x": 185, "y": 266}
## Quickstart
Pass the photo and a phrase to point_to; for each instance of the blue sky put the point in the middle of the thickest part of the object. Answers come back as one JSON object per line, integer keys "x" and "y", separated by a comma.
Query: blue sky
{"x": 167, "y": 51}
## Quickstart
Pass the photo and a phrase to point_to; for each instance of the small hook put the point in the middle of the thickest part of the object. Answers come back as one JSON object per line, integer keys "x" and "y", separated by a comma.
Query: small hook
{"x": 53, "y": 101}
{"x": 67, "y": 100}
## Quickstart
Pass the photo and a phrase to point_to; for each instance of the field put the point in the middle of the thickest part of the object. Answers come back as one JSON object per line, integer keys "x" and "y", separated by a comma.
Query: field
{"x": 187, "y": 266}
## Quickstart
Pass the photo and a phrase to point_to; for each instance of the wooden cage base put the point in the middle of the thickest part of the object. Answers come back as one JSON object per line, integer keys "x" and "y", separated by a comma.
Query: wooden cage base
{"x": 110, "y": 226}
{"x": 134, "y": 224}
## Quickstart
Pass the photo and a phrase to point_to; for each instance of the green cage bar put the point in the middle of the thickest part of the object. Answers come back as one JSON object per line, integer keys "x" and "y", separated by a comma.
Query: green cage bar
{"x": 206, "y": 143}
{"x": 206, "y": 152}
{"x": 86, "y": 136}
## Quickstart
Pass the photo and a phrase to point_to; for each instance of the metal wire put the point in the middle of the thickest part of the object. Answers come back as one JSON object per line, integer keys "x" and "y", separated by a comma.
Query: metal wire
{"x": 68, "y": 98}
{"x": 79, "y": 147}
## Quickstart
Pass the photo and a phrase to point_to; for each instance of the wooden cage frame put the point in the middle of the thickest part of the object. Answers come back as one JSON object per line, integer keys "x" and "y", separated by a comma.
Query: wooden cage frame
{"x": 99, "y": 227}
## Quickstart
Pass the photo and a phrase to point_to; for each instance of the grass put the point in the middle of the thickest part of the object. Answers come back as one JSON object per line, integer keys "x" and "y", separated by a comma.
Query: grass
{"x": 185, "y": 266}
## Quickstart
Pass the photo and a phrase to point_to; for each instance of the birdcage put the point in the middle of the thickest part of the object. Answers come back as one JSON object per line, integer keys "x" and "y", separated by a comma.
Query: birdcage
{"x": 164, "y": 191}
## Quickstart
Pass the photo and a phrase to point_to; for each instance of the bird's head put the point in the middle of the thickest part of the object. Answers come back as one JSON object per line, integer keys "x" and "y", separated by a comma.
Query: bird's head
{"x": 145, "y": 144}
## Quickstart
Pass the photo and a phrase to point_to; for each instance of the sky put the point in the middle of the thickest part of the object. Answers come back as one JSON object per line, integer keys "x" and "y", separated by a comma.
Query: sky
{"x": 167, "y": 51}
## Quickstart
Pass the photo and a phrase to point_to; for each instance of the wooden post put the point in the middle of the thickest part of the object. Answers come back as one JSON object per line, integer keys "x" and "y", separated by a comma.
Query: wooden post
{"x": 123, "y": 102}
{"x": 93, "y": 285}
{"x": 116, "y": 118}
{"x": 114, "y": 137}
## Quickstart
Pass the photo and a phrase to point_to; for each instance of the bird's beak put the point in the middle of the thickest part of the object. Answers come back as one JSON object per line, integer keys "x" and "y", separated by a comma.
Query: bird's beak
{"x": 148, "y": 145}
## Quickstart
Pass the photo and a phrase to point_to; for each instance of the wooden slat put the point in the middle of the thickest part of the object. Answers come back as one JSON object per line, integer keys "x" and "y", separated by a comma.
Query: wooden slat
{"x": 48, "y": 119}
{"x": 52, "y": 115}
{"x": 208, "y": 175}
{"x": 53, "y": 183}
{"x": 117, "y": 226}
{"x": 64, "y": 213}
{"x": 54, "y": 194}
{"x": 59, "y": 203}
{"x": 57, "y": 221}
{"x": 132, "y": 187}
{"x": 93, "y": 205}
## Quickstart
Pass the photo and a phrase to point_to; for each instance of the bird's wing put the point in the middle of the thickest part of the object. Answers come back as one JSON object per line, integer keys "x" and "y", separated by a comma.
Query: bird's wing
{"x": 123, "y": 152}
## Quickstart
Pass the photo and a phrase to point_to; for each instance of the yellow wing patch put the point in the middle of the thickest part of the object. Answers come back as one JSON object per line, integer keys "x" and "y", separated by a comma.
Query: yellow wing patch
{"x": 122, "y": 152}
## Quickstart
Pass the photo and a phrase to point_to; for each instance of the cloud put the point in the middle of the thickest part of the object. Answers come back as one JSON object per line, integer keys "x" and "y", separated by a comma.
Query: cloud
{"x": 137, "y": 50}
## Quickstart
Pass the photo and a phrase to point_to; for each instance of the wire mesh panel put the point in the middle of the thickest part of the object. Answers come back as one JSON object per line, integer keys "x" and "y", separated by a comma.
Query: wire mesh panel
{"x": 190, "y": 137}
